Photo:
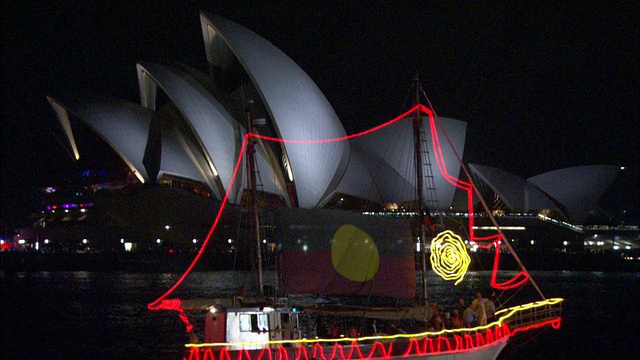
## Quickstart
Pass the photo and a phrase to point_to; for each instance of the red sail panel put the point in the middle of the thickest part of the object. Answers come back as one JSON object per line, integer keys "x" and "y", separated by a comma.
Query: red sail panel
{"x": 336, "y": 252}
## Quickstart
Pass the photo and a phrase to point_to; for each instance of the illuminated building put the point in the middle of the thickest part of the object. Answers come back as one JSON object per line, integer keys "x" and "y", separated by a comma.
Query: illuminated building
{"x": 180, "y": 144}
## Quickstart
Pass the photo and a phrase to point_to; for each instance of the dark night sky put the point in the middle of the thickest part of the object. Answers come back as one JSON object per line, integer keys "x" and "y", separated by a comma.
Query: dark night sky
{"x": 542, "y": 86}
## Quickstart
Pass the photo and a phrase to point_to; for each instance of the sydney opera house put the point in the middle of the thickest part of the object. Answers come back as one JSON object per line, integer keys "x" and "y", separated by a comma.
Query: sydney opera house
{"x": 179, "y": 146}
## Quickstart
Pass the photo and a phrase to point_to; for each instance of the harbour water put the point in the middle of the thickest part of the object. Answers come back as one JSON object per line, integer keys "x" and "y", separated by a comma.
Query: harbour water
{"x": 103, "y": 315}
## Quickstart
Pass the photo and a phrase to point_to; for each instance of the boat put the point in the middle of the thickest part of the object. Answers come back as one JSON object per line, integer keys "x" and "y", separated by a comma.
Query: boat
{"x": 353, "y": 317}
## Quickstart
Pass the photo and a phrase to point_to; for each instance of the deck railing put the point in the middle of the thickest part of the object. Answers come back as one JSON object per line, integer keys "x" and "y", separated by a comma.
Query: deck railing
{"x": 531, "y": 314}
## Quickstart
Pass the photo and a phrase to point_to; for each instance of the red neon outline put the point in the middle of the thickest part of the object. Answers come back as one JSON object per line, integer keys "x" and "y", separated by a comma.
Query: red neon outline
{"x": 521, "y": 277}
{"x": 302, "y": 350}
{"x": 441, "y": 345}
{"x": 175, "y": 304}
{"x": 555, "y": 324}
{"x": 161, "y": 303}
{"x": 282, "y": 351}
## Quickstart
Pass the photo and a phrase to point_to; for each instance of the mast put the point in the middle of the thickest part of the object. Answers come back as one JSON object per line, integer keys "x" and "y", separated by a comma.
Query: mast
{"x": 253, "y": 198}
{"x": 417, "y": 142}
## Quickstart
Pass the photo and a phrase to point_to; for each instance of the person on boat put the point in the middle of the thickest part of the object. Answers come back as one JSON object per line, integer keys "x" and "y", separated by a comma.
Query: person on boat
{"x": 460, "y": 306}
{"x": 478, "y": 306}
{"x": 373, "y": 328}
{"x": 321, "y": 328}
{"x": 490, "y": 309}
{"x": 238, "y": 298}
{"x": 447, "y": 321}
{"x": 436, "y": 322}
{"x": 470, "y": 317}
{"x": 353, "y": 332}
{"x": 334, "y": 330}
{"x": 287, "y": 328}
{"x": 456, "y": 320}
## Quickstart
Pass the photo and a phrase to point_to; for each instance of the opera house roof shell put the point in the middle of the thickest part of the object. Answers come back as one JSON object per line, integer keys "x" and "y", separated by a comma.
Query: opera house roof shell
{"x": 572, "y": 192}
{"x": 191, "y": 125}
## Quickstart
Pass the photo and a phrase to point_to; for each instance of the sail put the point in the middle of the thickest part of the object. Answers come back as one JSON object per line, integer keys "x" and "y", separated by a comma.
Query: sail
{"x": 339, "y": 252}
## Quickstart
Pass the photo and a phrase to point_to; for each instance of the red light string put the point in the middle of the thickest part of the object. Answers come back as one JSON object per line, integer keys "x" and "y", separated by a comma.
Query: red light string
{"x": 341, "y": 138}
{"x": 441, "y": 345}
{"x": 554, "y": 323}
{"x": 174, "y": 304}
{"x": 493, "y": 240}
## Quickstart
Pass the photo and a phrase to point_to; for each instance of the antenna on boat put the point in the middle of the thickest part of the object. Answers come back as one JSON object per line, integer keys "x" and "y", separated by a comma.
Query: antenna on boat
{"x": 253, "y": 195}
{"x": 417, "y": 142}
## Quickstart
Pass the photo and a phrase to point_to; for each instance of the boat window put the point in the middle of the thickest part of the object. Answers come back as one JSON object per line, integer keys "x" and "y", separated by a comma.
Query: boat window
{"x": 245, "y": 323}
{"x": 254, "y": 322}
{"x": 263, "y": 322}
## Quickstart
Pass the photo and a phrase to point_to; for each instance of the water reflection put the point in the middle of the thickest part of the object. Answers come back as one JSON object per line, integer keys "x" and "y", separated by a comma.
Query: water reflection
{"x": 104, "y": 315}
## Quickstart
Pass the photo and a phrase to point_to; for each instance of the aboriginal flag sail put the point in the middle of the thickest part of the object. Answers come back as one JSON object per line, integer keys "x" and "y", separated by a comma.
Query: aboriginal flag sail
{"x": 345, "y": 253}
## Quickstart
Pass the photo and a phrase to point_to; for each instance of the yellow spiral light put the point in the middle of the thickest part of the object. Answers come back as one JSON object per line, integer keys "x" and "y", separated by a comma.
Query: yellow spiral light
{"x": 449, "y": 256}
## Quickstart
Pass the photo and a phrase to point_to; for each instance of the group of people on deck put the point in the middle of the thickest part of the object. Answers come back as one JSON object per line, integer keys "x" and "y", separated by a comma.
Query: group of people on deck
{"x": 479, "y": 312}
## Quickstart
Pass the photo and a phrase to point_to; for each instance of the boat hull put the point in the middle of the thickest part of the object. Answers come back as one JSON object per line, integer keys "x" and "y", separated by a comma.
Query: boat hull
{"x": 487, "y": 352}
{"x": 479, "y": 347}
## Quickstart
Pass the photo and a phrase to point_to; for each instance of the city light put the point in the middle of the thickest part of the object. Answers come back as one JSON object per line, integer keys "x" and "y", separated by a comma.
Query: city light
{"x": 519, "y": 228}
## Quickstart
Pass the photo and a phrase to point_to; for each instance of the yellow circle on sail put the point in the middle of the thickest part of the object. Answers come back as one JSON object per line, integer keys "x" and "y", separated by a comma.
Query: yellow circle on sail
{"x": 354, "y": 254}
{"x": 449, "y": 256}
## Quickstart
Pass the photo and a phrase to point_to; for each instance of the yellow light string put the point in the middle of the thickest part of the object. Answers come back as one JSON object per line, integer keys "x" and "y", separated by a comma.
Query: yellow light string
{"x": 449, "y": 256}
{"x": 513, "y": 310}
{"x": 507, "y": 313}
